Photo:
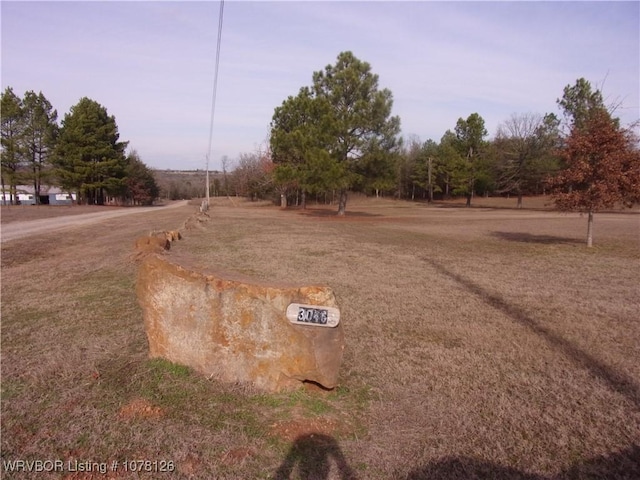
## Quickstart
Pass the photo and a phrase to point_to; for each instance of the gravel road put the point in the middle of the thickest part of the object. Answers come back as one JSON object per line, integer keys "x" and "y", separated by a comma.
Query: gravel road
{"x": 15, "y": 230}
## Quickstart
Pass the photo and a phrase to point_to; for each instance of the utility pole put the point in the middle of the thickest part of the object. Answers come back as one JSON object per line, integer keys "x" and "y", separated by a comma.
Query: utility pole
{"x": 430, "y": 182}
{"x": 207, "y": 195}
{"x": 205, "y": 206}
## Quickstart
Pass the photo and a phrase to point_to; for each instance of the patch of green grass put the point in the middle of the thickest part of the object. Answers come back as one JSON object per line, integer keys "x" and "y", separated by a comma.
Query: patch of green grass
{"x": 170, "y": 385}
{"x": 11, "y": 389}
{"x": 268, "y": 401}
{"x": 226, "y": 398}
{"x": 317, "y": 406}
{"x": 24, "y": 317}
{"x": 189, "y": 397}
{"x": 82, "y": 440}
{"x": 311, "y": 404}
{"x": 356, "y": 397}
{"x": 161, "y": 366}
{"x": 248, "y": 422}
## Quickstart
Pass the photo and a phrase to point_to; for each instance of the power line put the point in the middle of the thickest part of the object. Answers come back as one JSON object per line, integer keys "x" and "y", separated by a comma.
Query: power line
{"x": 215, "y": 88}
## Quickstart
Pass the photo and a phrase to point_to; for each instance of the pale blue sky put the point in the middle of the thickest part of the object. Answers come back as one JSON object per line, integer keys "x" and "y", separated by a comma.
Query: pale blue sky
{"x": 151, "y": 64}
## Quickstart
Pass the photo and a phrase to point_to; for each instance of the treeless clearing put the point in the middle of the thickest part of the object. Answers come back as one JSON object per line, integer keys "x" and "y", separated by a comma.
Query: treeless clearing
{"x": 480, "y": 342}
{"x": 22, "y": 213}
{"x": 56, "y": 220}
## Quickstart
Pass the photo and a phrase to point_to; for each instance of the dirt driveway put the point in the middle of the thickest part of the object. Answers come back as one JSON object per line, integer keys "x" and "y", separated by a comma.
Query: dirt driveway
{"x": 15, "y": 230}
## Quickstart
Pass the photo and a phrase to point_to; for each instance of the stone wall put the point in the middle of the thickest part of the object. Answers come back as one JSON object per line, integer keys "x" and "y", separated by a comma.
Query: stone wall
{"x": 234, "y": 328}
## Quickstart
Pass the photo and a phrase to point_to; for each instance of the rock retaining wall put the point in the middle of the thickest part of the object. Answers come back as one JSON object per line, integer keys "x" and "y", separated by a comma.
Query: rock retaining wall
{"x": 233, "y": 328}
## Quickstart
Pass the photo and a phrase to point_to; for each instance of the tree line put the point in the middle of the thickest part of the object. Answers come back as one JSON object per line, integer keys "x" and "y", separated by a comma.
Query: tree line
{"x": 83, "y": 155}
{"x": 338, "y": 135}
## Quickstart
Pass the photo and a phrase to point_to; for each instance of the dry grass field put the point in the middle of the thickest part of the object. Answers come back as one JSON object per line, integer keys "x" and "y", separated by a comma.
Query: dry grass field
{"x": 481, "y": 343}
{"x": 22, "y": 213}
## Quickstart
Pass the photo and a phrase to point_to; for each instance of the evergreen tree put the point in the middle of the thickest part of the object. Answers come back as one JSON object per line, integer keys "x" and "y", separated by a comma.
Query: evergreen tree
{"x": 470, "y": 135}
{"x": 38, "y": 137}
{"x": 328, "y": 129}
{"x": 454, "y": 168}
{"x": 141, "y": 187}
{"x": 579, "y": 102}
{"x": 11, "y": 129}
{"x": 432, "y": 167}
{"x": 89, "y": 157}
{"x": 297, "y": 142}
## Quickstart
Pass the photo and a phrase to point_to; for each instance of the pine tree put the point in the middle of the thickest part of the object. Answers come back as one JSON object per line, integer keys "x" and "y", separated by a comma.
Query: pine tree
{"x": 38, "y": 137}
{"x": 89, "y": 157}
{"x": 329, "y": 128}
{"x": 11, "y": 129}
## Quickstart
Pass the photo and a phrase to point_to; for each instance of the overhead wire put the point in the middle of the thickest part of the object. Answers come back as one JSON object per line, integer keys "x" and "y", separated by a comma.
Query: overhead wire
{"x": 215, "y": 88}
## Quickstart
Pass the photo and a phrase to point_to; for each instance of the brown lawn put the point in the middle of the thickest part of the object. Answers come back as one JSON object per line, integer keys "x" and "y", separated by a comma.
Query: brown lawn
{"x": 21, "y": 213}
{"x": 481, "y": 343}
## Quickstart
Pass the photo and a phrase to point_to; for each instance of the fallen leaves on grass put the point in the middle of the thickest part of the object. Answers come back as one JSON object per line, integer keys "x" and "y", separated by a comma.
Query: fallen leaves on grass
{"x": 140, "y": 408}
{"x": 238, "y": 455}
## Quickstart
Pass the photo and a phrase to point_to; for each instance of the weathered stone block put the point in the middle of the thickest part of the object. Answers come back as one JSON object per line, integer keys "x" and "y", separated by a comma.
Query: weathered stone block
{"x": 235, "y": 328}
{"x": 153, "y": 243}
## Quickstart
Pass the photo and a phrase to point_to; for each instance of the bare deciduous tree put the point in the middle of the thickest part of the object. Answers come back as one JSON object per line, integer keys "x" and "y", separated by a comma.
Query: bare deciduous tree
{"x": 524, "y": 144}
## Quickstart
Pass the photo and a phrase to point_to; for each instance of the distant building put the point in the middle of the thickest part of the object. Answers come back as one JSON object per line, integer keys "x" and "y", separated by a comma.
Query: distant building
{"x": 48, "y": 196}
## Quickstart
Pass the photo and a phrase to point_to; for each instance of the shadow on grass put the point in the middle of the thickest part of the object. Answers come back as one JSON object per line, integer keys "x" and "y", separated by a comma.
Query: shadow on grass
{"x": 451, "y": 205}
{"x": 532, "y": 238}
{"x": 454, "y": 468}
{"x": 624, "y": 464}
{"x": 329, "y": 213}
{"x": 616, "y": 381}
{"x": 463, "y": 206}
{"x": 313, "y": 454}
